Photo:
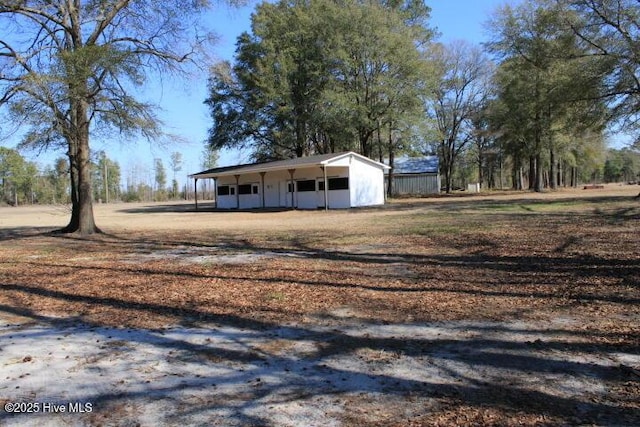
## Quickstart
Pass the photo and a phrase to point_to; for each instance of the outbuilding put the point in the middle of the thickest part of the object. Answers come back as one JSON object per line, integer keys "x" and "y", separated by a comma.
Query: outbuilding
{"x": 328, "y": 181}
{"x": 417, "y": 176}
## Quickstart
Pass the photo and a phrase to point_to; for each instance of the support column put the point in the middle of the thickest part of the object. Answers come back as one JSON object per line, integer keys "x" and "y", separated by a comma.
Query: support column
{"x": 326, "y": 188}
{"x": 262, "y": 174}
{"x": 293, "y": 186}
{"x": 237, "y": 191}
{"x": 195, "y": 187}
{"x": 215, "y": 193}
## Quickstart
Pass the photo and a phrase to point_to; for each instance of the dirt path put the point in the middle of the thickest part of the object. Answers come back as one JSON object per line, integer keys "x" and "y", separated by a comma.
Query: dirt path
{"x": 330, "y": 373}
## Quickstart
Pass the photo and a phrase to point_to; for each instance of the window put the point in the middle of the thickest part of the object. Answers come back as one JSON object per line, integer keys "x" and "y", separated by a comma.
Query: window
{"x": 307, "y": 185}
{"x": 338, "y": 183}
{"x": 244, "y": 189}
{"x": 223, "y": 190}
{"x": 254, "y": 189}
{"x": 289, "y": 188}
{"x": 320, "y": 185}
{"x": 232, "y": 191}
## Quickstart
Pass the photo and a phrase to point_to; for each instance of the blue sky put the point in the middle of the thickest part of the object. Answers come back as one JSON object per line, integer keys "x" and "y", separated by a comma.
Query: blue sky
{"x": 181, "y": 102}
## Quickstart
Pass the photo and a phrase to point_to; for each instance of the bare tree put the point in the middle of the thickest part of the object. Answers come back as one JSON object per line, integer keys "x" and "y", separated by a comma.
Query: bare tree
{"x": 465, "y": 73}
{"x": 72, "y": 71}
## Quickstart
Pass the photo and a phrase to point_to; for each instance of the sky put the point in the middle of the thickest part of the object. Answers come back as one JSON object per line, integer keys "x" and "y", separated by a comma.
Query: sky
{"x": 181, "y": 102}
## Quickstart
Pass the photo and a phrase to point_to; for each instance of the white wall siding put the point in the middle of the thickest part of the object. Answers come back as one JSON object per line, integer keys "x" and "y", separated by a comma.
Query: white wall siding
{"x": 338, "y": 199}
{"x": 366, "y": 184}
{"x": 226, "y": 201}
{"x": 351, "y": 182}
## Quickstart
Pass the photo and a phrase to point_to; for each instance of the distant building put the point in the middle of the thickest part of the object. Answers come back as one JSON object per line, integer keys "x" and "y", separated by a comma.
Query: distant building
{"x": 417, "y": 176}
{"x": 328, "y": 181}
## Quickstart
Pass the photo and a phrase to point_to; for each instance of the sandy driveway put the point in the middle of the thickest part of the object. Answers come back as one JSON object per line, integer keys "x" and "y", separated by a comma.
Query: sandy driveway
{"x": 328, "y": 373}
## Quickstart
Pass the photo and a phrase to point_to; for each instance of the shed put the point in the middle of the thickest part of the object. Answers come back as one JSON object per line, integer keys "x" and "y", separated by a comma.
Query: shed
{"x": 329, "y": 181}
{"x": 415, "y": 175}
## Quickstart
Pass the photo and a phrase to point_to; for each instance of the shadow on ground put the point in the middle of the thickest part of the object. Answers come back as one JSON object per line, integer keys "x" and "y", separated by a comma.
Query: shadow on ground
{"x": 234, "y": 371}
{"x": 335, "y": 367}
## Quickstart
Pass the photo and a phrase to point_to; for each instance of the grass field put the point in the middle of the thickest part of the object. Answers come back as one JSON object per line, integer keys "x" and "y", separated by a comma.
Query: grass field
{"x": 487, "y": 310}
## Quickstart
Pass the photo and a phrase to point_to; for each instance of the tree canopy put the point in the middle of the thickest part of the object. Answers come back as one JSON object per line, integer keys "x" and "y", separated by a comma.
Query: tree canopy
{"x": 320, "y": 76}
{"x": 70, "y": 69}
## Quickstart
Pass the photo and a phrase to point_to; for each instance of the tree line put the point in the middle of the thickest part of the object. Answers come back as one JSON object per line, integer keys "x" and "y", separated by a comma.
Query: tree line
{"x": 528, "y": 109}
{"x": 24, "y": 182}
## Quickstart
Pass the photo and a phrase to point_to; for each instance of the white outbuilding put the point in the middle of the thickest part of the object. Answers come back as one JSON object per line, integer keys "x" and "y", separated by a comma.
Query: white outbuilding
{"x": 327, "y": 181}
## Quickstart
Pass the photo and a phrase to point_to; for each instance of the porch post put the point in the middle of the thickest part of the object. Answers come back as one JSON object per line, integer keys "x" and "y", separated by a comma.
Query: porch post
{"x": 262, "y": 174}
{"x": 195, "y": 188}
{"x": 215, "y": 193}
{"x": 237, "y": 191}
{"x": 293, "y": 186}
{"x": 326, "y": 188}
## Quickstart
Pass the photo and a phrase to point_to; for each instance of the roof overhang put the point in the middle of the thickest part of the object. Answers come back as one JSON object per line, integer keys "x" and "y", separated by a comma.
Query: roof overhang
{"x": 325, "y": 160}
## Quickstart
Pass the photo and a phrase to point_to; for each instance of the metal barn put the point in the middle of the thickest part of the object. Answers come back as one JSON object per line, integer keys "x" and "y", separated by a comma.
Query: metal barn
{"x": 416, "y": 176}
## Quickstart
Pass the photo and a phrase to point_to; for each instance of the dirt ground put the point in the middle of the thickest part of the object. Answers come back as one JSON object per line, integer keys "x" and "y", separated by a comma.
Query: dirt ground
{"x": 495, "y": 309}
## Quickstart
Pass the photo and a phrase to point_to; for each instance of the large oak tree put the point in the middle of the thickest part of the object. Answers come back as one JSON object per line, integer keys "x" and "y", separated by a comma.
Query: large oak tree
{"x": 69, "y": 69}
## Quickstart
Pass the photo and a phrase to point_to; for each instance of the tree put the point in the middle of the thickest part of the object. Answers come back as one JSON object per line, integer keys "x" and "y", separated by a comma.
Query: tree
{"x": 106, "y": 178}
{"x": 73, "y": 70}
{"x": 621, "y": 165}
{"x": 380, "y": 70}
{"x": 208, "y": 160}
{"x": 609, "y": 31}
{"x": 320, "y": 76}
{"x": 17, "y": 177}
{"x": 59, "y": 178}
{"x": 485, "y": 147}
{"x": 460, "y": 95}
{"x": 160, "y": 179}
{"x": 176, "y": 166}
{"x": 548, "y": 90}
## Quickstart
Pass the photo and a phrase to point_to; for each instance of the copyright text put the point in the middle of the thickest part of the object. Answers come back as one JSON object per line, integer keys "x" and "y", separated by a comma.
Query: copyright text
{"x": 48, "y": 407}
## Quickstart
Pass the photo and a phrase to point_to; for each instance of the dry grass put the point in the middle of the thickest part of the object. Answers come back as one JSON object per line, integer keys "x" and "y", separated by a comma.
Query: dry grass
{"x": 521, "y": 257}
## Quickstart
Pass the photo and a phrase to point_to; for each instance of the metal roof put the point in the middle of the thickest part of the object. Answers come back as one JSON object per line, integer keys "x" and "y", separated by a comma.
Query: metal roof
{"x": 299, "y": 162}
{"x": 406, "y": 164}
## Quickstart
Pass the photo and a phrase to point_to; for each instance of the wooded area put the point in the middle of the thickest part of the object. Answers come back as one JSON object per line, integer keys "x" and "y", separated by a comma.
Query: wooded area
{"x": 532, "y": 108}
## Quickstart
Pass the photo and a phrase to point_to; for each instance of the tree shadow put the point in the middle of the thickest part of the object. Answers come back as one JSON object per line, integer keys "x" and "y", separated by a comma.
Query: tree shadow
{"x": 206, "y": 207}
{"x": 236, "y": 369}
{"x": 18, "y": 233}
{"x": 239, "y": 370}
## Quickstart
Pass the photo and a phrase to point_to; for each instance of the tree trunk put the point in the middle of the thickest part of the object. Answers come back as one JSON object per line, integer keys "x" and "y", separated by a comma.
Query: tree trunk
{"x": 87, "y": 223}
{"x": 74, "y": 222}
{"x": 532, "y": 172}
{"x": 82, "y": 220}
{"x": 516, "y": 182}
{"x": 553, "y": 176}
{"x": 392, "y": 155}
{"x": 447, "y": 164}
{"x": 480, "y": 165}
{"x": 538, "y": 184}
{"x": 561, "y": 177}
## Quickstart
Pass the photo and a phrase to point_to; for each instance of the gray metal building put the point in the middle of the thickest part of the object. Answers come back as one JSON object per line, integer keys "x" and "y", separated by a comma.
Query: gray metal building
{"x": 416, "y": 176}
